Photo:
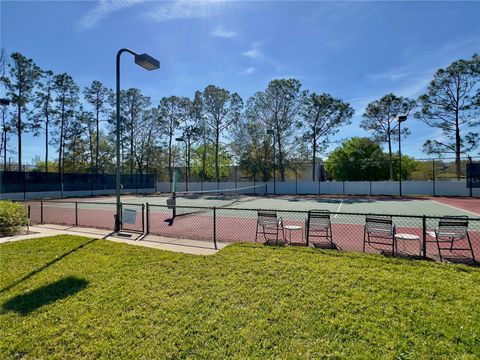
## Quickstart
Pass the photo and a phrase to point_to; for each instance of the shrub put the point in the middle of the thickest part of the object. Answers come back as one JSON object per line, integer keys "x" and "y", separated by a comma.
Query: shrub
{"x": 13, "y": 216}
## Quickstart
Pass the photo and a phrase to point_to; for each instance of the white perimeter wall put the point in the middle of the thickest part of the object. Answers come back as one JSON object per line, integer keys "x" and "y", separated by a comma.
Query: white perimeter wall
{"x": 438, "y": 188}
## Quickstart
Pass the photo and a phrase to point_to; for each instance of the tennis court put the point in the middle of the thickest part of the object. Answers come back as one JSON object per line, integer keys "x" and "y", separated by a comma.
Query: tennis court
{"x": 231, "y": 216}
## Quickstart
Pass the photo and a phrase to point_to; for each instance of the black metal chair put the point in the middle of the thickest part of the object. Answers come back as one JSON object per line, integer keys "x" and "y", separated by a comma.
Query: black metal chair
{"x": 452, "y": 229}
{"x": 378, "y": 229}
{"x": 318, "y": 225}
{"x": 268, "y": 223}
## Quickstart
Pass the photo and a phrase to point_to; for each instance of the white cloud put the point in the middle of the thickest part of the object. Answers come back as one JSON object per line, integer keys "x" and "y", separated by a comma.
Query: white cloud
{"x": 249, "y": 70}
{"x": 101, "y": 10}
{"x": 254, "y": 52}
{"x": 182, "y": 9}
{"x": 222, "y": 33}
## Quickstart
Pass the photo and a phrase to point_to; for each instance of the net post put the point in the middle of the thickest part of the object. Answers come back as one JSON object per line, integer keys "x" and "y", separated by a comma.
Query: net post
{"x": 215, "y": 227}
{"x": 76, "y": 213}
{"x": 41, "y": 211}
{"x": 148, "y": 218}
{"x": 424, "y": 237}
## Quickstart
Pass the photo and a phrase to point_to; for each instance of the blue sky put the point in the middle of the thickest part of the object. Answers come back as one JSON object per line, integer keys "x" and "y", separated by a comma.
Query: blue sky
{"x": 358, "y": 51}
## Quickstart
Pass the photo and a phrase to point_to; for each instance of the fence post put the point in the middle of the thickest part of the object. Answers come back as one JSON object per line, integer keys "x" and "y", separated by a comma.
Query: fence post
{"x": 155, "y": 179}
{"x": 148, "y": 218}
{"x": 433, "y": 176}
{"x": 343, "y": 187}
{"x": 469, "y": 174}
{"x": 296, "y": 179}
{"x": 215, "y": 227}
{"x": 254, "y": 184}
{"x": 41, "y": 211}
{"x": 76, "y": 213}
{"x": 28, "y": 223}
{"x": 143, "y": 218}
{"x": 24, "y": 184}
{"x": 424, "y": 237}
{"x": 235, "y": 177}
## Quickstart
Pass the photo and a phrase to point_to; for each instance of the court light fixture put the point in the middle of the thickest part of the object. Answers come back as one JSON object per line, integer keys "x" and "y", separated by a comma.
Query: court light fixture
{"x": 149, "y": 63}
{"x": 179, "y": 139}
{"x": 270, "y": 132}
{"x": 4, "y": 102}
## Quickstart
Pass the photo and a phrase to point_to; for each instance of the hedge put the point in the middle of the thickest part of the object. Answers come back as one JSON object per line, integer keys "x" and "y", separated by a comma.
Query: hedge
{"x": 13, "y": 217}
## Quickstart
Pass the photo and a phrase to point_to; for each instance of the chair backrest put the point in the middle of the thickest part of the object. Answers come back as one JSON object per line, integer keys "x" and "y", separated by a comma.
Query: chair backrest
{"x": 453, "y": 226}
{"x": 379, "y": 224}
{"x": 267, "y": 217}
{"x": 318, "y": 218}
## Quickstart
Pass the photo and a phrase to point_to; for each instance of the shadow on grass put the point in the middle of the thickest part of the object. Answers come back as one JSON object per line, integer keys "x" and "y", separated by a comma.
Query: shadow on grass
{"x": 48, "y": 264}
{"x": 26, "y": 303}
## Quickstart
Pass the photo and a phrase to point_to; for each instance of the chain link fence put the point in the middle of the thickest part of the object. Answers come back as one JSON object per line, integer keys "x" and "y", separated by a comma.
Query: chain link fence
{"x": 420, "y": 237}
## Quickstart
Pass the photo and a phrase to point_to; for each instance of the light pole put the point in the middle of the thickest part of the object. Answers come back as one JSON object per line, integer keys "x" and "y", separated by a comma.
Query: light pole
{"x": 401, "y": 118}
{"x": 181, "y": 139}
{"x": 148, "y": 63}
{"x": 271, "y": 132}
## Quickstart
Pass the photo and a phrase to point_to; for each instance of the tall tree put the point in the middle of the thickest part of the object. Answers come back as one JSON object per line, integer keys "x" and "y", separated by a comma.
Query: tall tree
{"x": 190, "y": 128}
{"x": 279, "y": 108}
{"x": 452, "y": 104}
{"x": 24, "y": 75}
{"x": 77, "y": 156}
{"x": 66, "y": 100}
{"x": 172, "y": 110}
{"x": 5, "y": 134}
{"x": 222, "y": 110}
{"x": 98, "y": 96}
{"x": 323, "y": 116}
{"x": 133, "y": 105}
{"x": 357, "y": 159}
{"x": 44, "y": 109}
{"x": 252, "y": 145}
{"x": 381, "y": 117}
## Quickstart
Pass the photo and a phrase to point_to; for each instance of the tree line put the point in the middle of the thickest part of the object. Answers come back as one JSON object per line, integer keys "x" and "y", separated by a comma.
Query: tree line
{"x": 281, "y": 124}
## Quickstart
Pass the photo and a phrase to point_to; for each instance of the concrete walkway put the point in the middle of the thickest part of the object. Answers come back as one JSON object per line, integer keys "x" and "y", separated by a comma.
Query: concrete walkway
{"x": 195, "y": 247}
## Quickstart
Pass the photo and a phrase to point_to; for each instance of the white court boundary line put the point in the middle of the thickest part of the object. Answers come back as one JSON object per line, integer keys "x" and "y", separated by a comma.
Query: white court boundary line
{"x": 339, "y": 206}
{"x": 454, "y": 207}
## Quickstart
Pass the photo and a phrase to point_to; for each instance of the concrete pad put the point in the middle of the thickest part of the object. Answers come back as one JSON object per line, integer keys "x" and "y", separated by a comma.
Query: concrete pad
{"x": 186, "y": 246}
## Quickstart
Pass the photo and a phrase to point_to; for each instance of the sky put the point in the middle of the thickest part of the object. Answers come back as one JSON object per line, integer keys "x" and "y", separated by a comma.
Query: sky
{"x": 356, "y": 51}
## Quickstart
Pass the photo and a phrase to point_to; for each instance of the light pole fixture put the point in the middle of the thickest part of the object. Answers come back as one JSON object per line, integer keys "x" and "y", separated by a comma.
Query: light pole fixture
{"x": 148, "y": 63}
{"x": 272, "y": 132}
{"x": 400, "y": 119}
{"x": 4, "y": 102}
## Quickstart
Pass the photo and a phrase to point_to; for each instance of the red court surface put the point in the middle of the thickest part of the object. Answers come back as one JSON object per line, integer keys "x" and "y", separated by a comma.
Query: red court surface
{"x": 233, "y": 225}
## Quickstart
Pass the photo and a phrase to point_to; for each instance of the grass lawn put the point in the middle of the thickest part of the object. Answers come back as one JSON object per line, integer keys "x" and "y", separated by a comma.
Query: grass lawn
{"x": 68, "y": 297}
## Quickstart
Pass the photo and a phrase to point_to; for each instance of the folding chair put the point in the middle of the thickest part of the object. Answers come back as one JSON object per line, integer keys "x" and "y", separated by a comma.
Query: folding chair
{"x": 318, "y": 225}
{"x": 268, "y": 223}
{"x": 379, "y": 228}
{"x": 452, "y": 229}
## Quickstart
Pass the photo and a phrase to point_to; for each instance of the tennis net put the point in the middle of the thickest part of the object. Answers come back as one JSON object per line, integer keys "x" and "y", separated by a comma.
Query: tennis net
{"x": 218, "y": 198}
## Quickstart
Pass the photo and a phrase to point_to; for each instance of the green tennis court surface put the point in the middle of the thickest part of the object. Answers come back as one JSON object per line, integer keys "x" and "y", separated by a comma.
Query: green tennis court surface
{"x": 380, "y": 205}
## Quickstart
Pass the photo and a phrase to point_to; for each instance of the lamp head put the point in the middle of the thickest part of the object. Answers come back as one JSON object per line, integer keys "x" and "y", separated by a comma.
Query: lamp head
{"x": 147, "y": 62}
{"x": 179, "y": 139}
{"x": 4, "y": 102}
{"x": 270, "y": 132}
{"x": 402, "y": 118}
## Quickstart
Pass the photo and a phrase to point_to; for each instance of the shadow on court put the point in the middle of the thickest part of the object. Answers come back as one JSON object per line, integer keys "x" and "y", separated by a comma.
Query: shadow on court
{"x": 26, "y": 303}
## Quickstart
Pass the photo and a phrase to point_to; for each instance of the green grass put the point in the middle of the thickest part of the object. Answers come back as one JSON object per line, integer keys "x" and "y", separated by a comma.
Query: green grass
{"x": 110, "y": 300}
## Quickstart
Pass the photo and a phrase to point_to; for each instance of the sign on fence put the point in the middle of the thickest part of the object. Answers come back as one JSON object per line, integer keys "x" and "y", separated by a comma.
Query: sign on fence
{"x": 129, "y": 216}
